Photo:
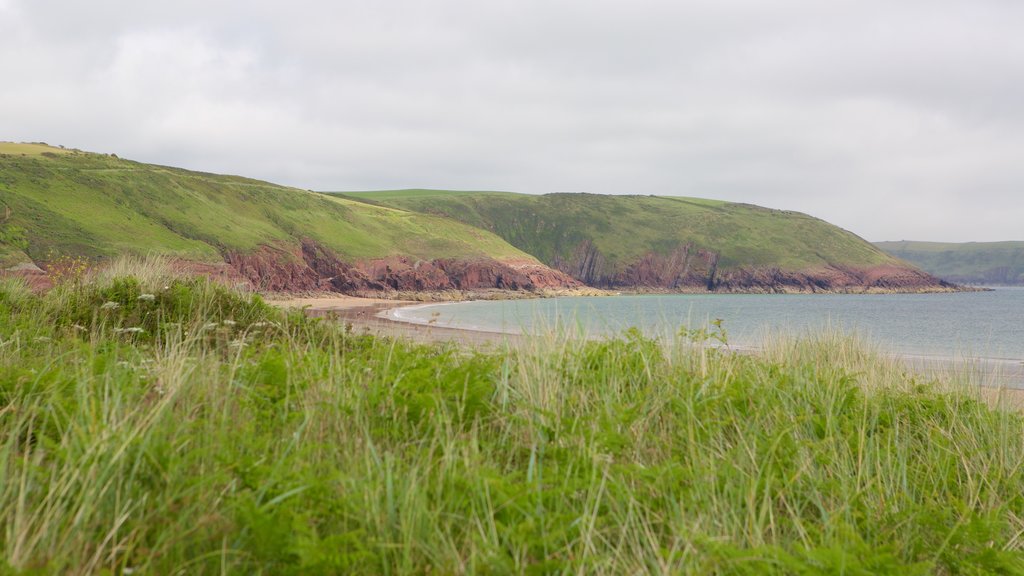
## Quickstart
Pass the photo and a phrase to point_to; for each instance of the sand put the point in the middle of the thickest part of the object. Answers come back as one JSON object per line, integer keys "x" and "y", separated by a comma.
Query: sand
{"x": 369, "y": 315}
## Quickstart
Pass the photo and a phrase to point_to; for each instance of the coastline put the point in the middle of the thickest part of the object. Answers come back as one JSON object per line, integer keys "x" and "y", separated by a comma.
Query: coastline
{"x": 372, "y": 316}
{"x": 998, "y": 381}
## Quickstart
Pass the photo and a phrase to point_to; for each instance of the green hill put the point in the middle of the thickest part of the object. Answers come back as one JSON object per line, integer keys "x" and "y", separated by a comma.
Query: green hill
{"x": 971, "y": 262}
{"x": 662, "y": 241}
{"x": 61, "y": 202}
{"x": 56, "y": 202}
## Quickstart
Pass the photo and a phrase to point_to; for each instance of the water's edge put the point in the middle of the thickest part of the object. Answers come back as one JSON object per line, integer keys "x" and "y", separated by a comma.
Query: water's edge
{"x": 1004, "y": 371}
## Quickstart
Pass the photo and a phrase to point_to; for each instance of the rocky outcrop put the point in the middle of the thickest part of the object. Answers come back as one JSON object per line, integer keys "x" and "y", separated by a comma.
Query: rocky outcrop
{"x": 831, "y": 279}
{"x": 691, "y": 269}
{"x": 313, "y": 267}
{"x": 34, "y": 277}
{"x": 586, "y": 264}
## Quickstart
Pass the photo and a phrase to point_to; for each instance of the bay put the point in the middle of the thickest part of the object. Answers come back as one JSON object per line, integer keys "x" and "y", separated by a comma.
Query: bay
{"x": 987, "y": 325}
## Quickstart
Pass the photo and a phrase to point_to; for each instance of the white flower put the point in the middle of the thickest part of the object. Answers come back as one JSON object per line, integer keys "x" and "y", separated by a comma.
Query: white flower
{"x": 229, "y": 322}
{"x": 110, "y": 306}
{"x": 132, "y": 330}
{"x": 147, "y": 297}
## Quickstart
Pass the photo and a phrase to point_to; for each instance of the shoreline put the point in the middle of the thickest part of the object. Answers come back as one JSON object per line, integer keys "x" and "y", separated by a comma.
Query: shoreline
{"x": 371, "y": 316}
{"x": 378, "y": 317}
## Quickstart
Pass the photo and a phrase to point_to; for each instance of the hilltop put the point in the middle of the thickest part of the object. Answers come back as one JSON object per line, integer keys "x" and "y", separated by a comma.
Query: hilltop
{"x": 1000, "y": 263}
{"x": 672, "y": 243}
{"x": 56, "y": 203}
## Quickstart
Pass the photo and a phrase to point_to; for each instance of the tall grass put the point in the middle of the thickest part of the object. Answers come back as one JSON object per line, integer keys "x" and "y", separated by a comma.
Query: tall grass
{"x": 172, "y": 426}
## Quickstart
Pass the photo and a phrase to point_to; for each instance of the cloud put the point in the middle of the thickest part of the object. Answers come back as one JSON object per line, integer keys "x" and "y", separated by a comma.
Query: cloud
{"x": 894, "y": 120}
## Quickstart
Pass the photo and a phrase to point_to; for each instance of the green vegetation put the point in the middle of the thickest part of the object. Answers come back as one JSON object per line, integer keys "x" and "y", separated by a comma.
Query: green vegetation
{"x": 625, "y": 228}
{"x": 971, "y": 262}
{"x": 170, "y": 426}
{"x": 69, "y": 202}
{"x": 31, "y": 149}
{"x": 12, "y": 241}
{"x": 59, "y": 202}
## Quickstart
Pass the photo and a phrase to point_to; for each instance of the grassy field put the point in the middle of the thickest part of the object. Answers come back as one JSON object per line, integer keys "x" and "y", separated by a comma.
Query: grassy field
{"x": 159, "y": 425}
{"x": 69, "y": 202}
{"x": 31, "y": 149}
{"x": 972, "y": 262}
{"x": 624, "y": 228}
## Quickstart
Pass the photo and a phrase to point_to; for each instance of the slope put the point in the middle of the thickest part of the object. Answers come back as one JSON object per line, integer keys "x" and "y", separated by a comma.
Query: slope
{"x": 59, "y": 202}
{"x": 672, "y": 243}
{"x": 999, "y": 263}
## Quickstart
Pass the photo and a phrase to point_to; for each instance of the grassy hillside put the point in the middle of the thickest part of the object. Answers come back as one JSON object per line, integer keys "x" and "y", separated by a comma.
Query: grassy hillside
{"x": 70, "y": 202}
{"x": 625, "y": 228}
{"x": 971, "y": 262}
{"x": 188, "y": 429}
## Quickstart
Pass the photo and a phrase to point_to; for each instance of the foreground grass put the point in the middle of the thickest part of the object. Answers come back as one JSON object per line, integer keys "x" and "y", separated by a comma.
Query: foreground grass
{"x": 170, "y": 426}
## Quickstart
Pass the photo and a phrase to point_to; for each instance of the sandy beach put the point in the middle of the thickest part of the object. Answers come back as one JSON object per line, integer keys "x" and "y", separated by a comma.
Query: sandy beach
{"x": 369, "y": 315}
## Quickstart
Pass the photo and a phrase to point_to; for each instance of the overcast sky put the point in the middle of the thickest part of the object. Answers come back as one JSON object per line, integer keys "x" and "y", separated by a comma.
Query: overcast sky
{"x": 893, "y": 119}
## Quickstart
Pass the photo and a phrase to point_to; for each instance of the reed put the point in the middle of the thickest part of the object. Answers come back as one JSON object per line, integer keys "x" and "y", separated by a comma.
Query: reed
{"x": 224, "y": 436}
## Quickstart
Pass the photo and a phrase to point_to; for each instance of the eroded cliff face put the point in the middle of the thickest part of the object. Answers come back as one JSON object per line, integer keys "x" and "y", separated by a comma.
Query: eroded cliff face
{"x": 830, "y": 279}
{"x": 690, "y": 269}
{"x": 313, "y": 267}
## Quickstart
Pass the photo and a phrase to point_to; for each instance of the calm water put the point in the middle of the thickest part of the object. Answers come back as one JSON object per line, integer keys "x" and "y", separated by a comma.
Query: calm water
{"x": 976, "y": 324}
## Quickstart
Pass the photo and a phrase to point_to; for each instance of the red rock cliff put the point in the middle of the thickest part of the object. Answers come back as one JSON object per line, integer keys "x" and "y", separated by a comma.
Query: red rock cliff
{"x": 313, "y": 267}
{"x": 688, "y": 269}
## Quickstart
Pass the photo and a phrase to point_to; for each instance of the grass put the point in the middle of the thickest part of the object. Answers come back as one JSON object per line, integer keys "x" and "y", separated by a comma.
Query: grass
{"x": 390, "y": 195}
{"x": 971, "y": 262}
{"x": 626, "y": 228}
{"x": 30, "y": 149}
{"x": 99, "y": 206}
{"x": 71, "y": 203}
{"x": 154, "y": 424}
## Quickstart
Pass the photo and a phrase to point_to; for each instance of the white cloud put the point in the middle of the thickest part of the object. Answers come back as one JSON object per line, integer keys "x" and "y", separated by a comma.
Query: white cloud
{"x": 892, "y": 120}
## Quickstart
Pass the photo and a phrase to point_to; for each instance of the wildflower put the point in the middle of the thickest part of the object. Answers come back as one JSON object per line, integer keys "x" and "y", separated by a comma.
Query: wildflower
{"x": 147, "y": 297}
{"x": 229, "y": 322}
{"x": 132, "y": 330}
{"x": 110, "y": 306}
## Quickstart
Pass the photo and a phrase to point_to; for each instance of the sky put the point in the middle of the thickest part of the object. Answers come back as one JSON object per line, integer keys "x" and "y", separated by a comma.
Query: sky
{"x": 895, "y": 120}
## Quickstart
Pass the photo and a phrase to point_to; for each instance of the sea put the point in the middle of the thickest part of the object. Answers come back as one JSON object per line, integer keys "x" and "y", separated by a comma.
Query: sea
{"x": 983, "y": 325}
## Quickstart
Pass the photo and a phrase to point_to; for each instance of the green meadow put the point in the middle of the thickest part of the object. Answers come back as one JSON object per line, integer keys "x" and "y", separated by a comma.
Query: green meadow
{"x": 153, "y": 424}
{"x": 625, "y": 228}
{"x": 99, "y": 206}
{"x": 972, "y": 262}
